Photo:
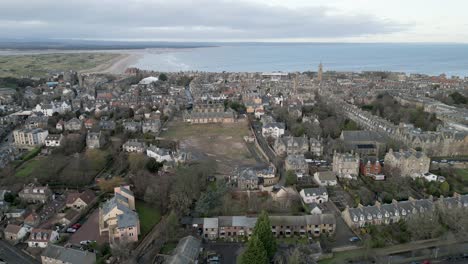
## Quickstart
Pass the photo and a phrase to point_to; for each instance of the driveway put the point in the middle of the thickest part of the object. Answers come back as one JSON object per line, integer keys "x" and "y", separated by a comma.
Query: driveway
{"x": 228, "y": 251}
{"x": 12, "y": 255}
{"x": 89, "y": 231}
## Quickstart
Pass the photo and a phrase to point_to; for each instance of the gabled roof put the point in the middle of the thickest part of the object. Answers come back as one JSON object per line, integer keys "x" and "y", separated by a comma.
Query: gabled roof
{"x": 69, "y": 255}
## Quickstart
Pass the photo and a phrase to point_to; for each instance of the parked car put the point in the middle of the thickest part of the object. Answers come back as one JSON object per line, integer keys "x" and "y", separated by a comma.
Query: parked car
{"x": 354, "y": 239}
{"x": 86, "y": 242}
{"x": 76, "y": 226}
{"x": 71, "y": 230}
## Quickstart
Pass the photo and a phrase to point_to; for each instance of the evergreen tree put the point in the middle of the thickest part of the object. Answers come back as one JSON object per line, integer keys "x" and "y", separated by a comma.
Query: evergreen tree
{"x": 255, "y": 252}
{"x": 263, "y": 231}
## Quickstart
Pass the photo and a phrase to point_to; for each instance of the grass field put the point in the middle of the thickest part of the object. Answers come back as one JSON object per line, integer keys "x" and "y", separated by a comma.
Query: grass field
{"x": 28, "y": 168}
{"x": 40, "y": 65}
{"x": 221, "y": 142}
{"x": 148, "y": 215}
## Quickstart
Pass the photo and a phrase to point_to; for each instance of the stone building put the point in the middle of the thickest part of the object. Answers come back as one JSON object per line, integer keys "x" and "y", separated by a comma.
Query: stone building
{"x": 209, "y": 113}
{"x": 406, "y": 163}
{"x": 346, "y": 165}
{"x": 291, "y": 145}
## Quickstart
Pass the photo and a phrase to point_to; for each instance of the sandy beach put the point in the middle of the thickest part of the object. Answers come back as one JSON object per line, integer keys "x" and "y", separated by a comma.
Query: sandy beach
{"x": 117, "y": 65}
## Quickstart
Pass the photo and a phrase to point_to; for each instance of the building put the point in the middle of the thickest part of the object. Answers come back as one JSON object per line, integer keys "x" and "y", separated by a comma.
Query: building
{"x": 73, "y": 124}
{"x": 291, "y": 145}
{"x": 364, "y": 142}
{"x": 42, "y": 237}
{"x": 314, "y": 195}
{"x": 325, "y": 178}
{"x": 273, "y": 129}
{"x": 297, "y": 164}
{"x": 54, "y": 140}
{"x": 36, "y": 194}
{"x": 209, "y": 113}
{"x": 14, "y": 233}
{"x": 151, "y": 126}
{"x": 132, "y": 126}
{"x": 95, "y": 140}
{"x": 80, "y": 201}
{"x": 187, "y": 251}
{"x": 316, "y": 147}
{"x": 346, "y": 165}
{"x": 247, "y": 179}
{"x": 371, "y": 167}
{"x": 54, "y": 254}
{"x": 118, "y": 217}
{"x": 380, "y": 214}
{"x": 133, "y": 145}
{"x": 281, "y": 226}
{"x": 30, "y": 137}
{"x": 406, "y": 163}
{"x": 159, "y": 154}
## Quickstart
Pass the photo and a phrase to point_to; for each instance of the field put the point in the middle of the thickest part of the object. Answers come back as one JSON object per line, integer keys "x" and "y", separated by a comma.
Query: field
{"x": 221, "y": 142}
{"x": 148, "y": 215}
{"x": 40, "y": 65}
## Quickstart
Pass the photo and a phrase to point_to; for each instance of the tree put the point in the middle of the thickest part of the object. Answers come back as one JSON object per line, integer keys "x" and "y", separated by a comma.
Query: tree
{"x": 262, "y": 230}
{"x": 445, "y": 188}
{"x": 162, "y": 77}
{"x": 255, "y": 252}
{"x": 153, "y": 166}
{"x": 291, "y": 178}
{"x": 9, "y": 197}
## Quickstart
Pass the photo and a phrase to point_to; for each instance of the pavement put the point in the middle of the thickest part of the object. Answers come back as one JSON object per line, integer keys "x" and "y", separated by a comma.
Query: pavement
{"x": 228, "y": 251}
{"x": 12, "y": 255}
{"x": 89, "y": 231}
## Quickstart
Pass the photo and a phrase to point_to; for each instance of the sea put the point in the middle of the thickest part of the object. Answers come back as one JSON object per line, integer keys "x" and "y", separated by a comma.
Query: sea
{"x": 432, "y": 59}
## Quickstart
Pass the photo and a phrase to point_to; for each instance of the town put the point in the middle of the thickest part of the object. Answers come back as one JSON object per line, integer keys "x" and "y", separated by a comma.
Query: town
{"x": 200, "y": 167}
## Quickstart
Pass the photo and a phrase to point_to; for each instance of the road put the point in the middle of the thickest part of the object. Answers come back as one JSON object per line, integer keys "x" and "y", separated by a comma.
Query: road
{"x": 13, "y": 255}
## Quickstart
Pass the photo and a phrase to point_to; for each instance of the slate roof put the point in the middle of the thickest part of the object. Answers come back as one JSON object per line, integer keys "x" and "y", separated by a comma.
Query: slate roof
{"x": 69, "y": 255}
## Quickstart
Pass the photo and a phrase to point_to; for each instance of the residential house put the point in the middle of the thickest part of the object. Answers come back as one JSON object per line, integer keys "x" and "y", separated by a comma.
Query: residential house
{"x": 55, "y": 254}
{"x": 234, "y": 226}
{"x": 346, "y": 165}
{"x": 273, "y": 129}
{"x": 247, "y": 179}
{"x": 14, "y": 233}
{"x": 80, "y": 200}
{"x": 209, "y": 113}
{"x": 406, "y": 163}
{"x": 210, "y": 228}
{"x": 316, "y": 147}
{"x": 90, "y": 123}
{"x": 371, "y": 167}
{"x": 133, "y": 145}
{"x": 314, "y": 195}
{"x": 364, "y": 142}
{"x": 118, "y": 217}
{"x": 32, "y": 219}
{"x": 151, "y": 126}
{"x": 159, "y": 154}
{"x": 42, "y": 237}
{"x": 132, "y": 126}
{"x": 36, "y": 194}
{"x": 296, "y": 163}
{"x": 107, "y": 124}
{"x": 54, "y": 140}
{"x": 291, "y": 145}
{"x": 95, "y": 140}
{"x": 73, "y": 124}
{"x": 325, "y": 178}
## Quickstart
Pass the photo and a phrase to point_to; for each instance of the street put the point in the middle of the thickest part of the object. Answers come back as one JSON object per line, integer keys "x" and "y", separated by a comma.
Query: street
{"x": 13, "y": 255}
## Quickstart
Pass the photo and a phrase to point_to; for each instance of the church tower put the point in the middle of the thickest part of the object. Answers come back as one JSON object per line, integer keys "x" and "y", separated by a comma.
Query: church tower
{"x": 320, "y": 72}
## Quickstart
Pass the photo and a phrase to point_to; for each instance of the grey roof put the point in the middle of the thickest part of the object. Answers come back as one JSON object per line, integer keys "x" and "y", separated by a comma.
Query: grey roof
{"x": 210, "y": 222}
{"x": 362, "y": 136}
{"x": 315, "y": 191}
{"x": 326, "y": 175}
{"x": 275, "y": 124}
{"x": 69, "y": 255}
{"x": 128, "y": 219}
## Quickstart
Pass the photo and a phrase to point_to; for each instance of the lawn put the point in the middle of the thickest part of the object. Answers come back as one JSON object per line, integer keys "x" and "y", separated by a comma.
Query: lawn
{"x": 463, "y": 174}
{"x": 28, "y": 168}
{"x": 149, "y": 216}
{"x": 40, "y": 65}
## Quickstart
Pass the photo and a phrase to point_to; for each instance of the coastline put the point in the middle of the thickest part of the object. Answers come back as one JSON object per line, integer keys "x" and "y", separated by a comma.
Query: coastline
{"x": 117, "y": 65}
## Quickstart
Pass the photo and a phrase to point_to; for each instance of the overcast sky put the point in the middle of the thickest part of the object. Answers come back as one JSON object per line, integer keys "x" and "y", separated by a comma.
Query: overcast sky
{"x": 238, "y": 20}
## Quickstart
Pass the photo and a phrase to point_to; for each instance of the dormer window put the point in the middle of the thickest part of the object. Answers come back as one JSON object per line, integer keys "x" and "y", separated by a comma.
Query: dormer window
{"x": 355, "y": 219}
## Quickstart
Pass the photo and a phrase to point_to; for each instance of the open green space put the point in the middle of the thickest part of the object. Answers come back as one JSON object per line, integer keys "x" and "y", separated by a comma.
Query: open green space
{"x": 28, "y": 168}
{"x": 149, "y": 216}
{"x": 41, "y": 64}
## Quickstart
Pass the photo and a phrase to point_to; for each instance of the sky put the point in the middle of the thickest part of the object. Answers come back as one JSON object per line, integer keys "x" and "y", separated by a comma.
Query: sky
{"x": 237, "y": 20}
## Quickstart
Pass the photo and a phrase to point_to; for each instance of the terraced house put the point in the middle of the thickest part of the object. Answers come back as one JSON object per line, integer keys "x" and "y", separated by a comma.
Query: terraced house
{"x": 379, "y": 214}
{"x": 281, "y": 226}
{"x": 291, "y": 145}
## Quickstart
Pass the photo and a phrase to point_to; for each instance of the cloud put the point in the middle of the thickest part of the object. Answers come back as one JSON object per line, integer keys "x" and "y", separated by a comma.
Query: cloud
{"x": 182, "y": 19}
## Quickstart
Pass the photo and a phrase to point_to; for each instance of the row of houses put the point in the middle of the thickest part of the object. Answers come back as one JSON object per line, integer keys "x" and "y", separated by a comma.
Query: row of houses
{"x": 281, "y": 226}
{"x": 379, "y": 214}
